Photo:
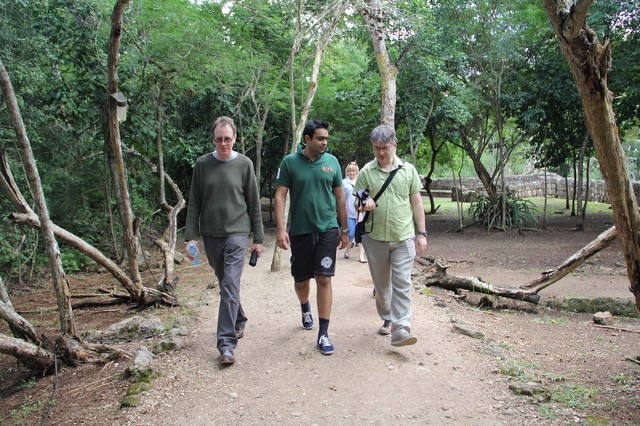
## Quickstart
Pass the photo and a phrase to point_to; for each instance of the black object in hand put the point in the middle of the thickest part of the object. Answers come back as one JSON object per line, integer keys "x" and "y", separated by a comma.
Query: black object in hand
{"x": 254, "y": 258}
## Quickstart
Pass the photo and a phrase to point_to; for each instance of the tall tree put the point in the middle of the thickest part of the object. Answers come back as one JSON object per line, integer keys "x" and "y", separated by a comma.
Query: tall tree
{"x": 130, "y": 229}
{"x": 60, "y": 283}
{"x": 590, "y": 61}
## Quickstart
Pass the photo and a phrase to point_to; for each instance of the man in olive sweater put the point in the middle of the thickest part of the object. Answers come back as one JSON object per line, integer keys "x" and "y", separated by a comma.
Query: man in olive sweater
{"x": 224, "y": 208}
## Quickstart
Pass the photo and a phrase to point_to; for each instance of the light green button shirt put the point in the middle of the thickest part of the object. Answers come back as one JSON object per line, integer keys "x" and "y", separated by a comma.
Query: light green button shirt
{"x": 392, "y": 219}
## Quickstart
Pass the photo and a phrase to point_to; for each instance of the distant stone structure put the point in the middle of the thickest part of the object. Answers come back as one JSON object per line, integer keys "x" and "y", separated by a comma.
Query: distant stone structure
{"x": 524, "y": 186}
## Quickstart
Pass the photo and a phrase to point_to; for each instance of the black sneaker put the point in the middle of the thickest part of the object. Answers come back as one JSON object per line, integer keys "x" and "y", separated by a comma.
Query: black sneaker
{"x": 226, "y": 357}
{"x": 307, "y": 320}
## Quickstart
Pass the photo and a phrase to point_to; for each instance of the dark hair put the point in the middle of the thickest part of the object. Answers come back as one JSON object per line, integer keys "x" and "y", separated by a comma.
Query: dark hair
{"x": 312, "y": 125}
{"x": 223, "y": 121}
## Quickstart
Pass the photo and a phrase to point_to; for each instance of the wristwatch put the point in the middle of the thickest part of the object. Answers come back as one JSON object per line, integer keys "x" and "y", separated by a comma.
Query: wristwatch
{"x": 423, "y": 233}
{"x": 344, "y": 230}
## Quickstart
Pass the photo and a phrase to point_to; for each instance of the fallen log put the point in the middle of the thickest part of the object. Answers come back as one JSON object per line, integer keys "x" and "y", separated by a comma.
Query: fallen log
{"x": 32, "y": 356}
{"x": 436, "y": 275}
{"x": 551, "y": 276}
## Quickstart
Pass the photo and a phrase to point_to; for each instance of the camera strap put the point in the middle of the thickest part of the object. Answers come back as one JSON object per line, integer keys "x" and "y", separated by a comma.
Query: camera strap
{"x": 382, "y": 189}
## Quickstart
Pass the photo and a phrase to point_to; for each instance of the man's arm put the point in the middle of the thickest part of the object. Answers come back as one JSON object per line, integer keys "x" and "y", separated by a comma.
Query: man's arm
{"x": 282, "y": 237}
{"x": 341, "y": 207}
{"x": 418, "y": 217}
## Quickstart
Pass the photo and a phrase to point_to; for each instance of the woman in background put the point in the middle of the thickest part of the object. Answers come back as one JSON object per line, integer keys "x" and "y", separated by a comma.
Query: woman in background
{"x": 349, "y": 183}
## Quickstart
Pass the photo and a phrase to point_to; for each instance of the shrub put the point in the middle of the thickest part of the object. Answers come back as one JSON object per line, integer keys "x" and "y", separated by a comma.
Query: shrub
{"x": 520, "y": 213}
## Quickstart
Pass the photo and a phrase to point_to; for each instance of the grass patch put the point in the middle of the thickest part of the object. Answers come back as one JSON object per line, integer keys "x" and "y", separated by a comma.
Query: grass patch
{"x": 518, "y": 370}
{"x": 574, "y": 396}
{"x": 549, "y": 320}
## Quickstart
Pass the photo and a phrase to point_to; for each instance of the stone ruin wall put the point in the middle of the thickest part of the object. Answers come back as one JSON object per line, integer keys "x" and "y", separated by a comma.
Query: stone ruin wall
{"x": 532, "y": 185}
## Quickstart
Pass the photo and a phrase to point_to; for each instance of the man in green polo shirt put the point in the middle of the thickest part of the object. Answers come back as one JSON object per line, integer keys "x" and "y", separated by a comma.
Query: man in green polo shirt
{"x": 390, "y": 239}
{"x": 313, "y": 180}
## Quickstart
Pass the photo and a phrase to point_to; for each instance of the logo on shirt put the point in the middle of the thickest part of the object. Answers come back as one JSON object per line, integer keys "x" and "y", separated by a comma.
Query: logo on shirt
{"x": 327, "y": 169}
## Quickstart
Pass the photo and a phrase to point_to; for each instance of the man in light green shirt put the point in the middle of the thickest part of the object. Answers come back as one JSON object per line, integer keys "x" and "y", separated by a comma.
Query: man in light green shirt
{"x": 390, "y": 239}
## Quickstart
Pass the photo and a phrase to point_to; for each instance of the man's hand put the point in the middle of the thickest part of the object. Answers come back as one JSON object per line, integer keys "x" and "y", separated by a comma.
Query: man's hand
{"x": 259, "y": 248}
{"x": 282, "y": 240}
{"x": 343, "y": 241}
{"x": 421, "y": 244}
{"x": 367, "y": 206}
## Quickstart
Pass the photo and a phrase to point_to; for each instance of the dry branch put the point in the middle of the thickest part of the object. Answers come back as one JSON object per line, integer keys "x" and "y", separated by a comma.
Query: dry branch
{"x": 436, "y": 275}
{"x": 551, "y": 276}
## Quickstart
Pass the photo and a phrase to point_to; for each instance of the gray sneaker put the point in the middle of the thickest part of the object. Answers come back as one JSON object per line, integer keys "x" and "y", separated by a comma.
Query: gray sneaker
{"x": 385, "y": 330}
{"x": 403, "y": 338}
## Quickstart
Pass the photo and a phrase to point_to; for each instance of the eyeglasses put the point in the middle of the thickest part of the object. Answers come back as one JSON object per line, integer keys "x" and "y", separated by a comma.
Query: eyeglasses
{"x": 384, "y": 148}
{"x": 221, "y": 140}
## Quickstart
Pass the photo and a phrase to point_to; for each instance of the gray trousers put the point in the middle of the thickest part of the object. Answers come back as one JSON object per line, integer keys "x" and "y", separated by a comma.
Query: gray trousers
{"x": 226, "y": 257}
{"x": 390, "y": 264}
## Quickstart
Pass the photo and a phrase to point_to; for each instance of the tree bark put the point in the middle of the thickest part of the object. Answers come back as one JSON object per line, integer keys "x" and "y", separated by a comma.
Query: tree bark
{"x": 373, "y": 18}
{"x": 589, "y": 62}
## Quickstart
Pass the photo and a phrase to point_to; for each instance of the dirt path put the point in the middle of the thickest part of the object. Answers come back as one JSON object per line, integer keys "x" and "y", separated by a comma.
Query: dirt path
{"x": 280, "y": 377}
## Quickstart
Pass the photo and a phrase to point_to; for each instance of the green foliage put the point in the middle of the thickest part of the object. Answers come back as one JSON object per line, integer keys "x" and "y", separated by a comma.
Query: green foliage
{"x": 73, "y": 260}
{"x": 26, "y": 410}
{"x": 520, "y": 212}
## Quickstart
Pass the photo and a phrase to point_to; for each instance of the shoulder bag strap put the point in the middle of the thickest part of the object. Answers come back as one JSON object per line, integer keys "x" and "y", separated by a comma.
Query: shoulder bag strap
{"x": 387, "y": 182}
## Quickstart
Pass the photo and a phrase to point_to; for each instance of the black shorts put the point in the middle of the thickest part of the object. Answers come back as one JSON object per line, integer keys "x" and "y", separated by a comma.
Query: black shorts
{"x": 314, "y": 254}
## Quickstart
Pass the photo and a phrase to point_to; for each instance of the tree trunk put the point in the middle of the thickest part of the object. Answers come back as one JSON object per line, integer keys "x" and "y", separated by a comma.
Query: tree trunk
{"x": 129, "y": 229}
{"x": 580, "y": 186}
{"x": 374, "y": 22}
{"x": 32, "y": 356}
{"x": 60, "y": 283}
{"x": 167, "y": 244}
{"x": 589, "y": 62}
{"x": 481, "y": 170}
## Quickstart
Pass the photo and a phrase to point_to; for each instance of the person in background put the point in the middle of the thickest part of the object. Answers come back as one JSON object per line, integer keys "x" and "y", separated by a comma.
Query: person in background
{"x": 224, "y": 208}
{"x": 349, "y": 184}
{"x": 313, "y": 180}
{"x": 394, "y": 233}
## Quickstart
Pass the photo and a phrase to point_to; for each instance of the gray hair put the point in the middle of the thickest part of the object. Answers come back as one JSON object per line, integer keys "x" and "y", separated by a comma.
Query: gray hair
{"x": 383, "y": 134}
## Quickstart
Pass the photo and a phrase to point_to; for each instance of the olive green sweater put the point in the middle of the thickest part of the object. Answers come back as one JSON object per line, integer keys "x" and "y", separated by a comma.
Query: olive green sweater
{"x": 224, "y": 199}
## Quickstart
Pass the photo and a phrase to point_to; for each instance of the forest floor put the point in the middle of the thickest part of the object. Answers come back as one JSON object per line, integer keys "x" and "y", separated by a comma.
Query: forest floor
{"x": 590, "y": 374}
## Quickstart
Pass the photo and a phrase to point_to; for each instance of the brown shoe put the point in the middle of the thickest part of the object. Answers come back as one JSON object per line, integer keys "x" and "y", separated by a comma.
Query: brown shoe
{"x": 226, "y": 357}
{"x": 240, "y": 332}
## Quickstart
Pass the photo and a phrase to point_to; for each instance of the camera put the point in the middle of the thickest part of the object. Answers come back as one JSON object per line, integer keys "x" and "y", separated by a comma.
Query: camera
{"x": 362, "y": 195}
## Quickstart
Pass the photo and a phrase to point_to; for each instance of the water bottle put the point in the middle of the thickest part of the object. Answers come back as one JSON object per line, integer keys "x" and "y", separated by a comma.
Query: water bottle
{"x": 254, "y": 258}
{"x": 193, "y": 250}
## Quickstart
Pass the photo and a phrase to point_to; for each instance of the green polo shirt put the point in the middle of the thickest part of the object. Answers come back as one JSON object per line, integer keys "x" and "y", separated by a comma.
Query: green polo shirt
{"x": 312, "y": 206}
{"x": 392, "y": 219}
